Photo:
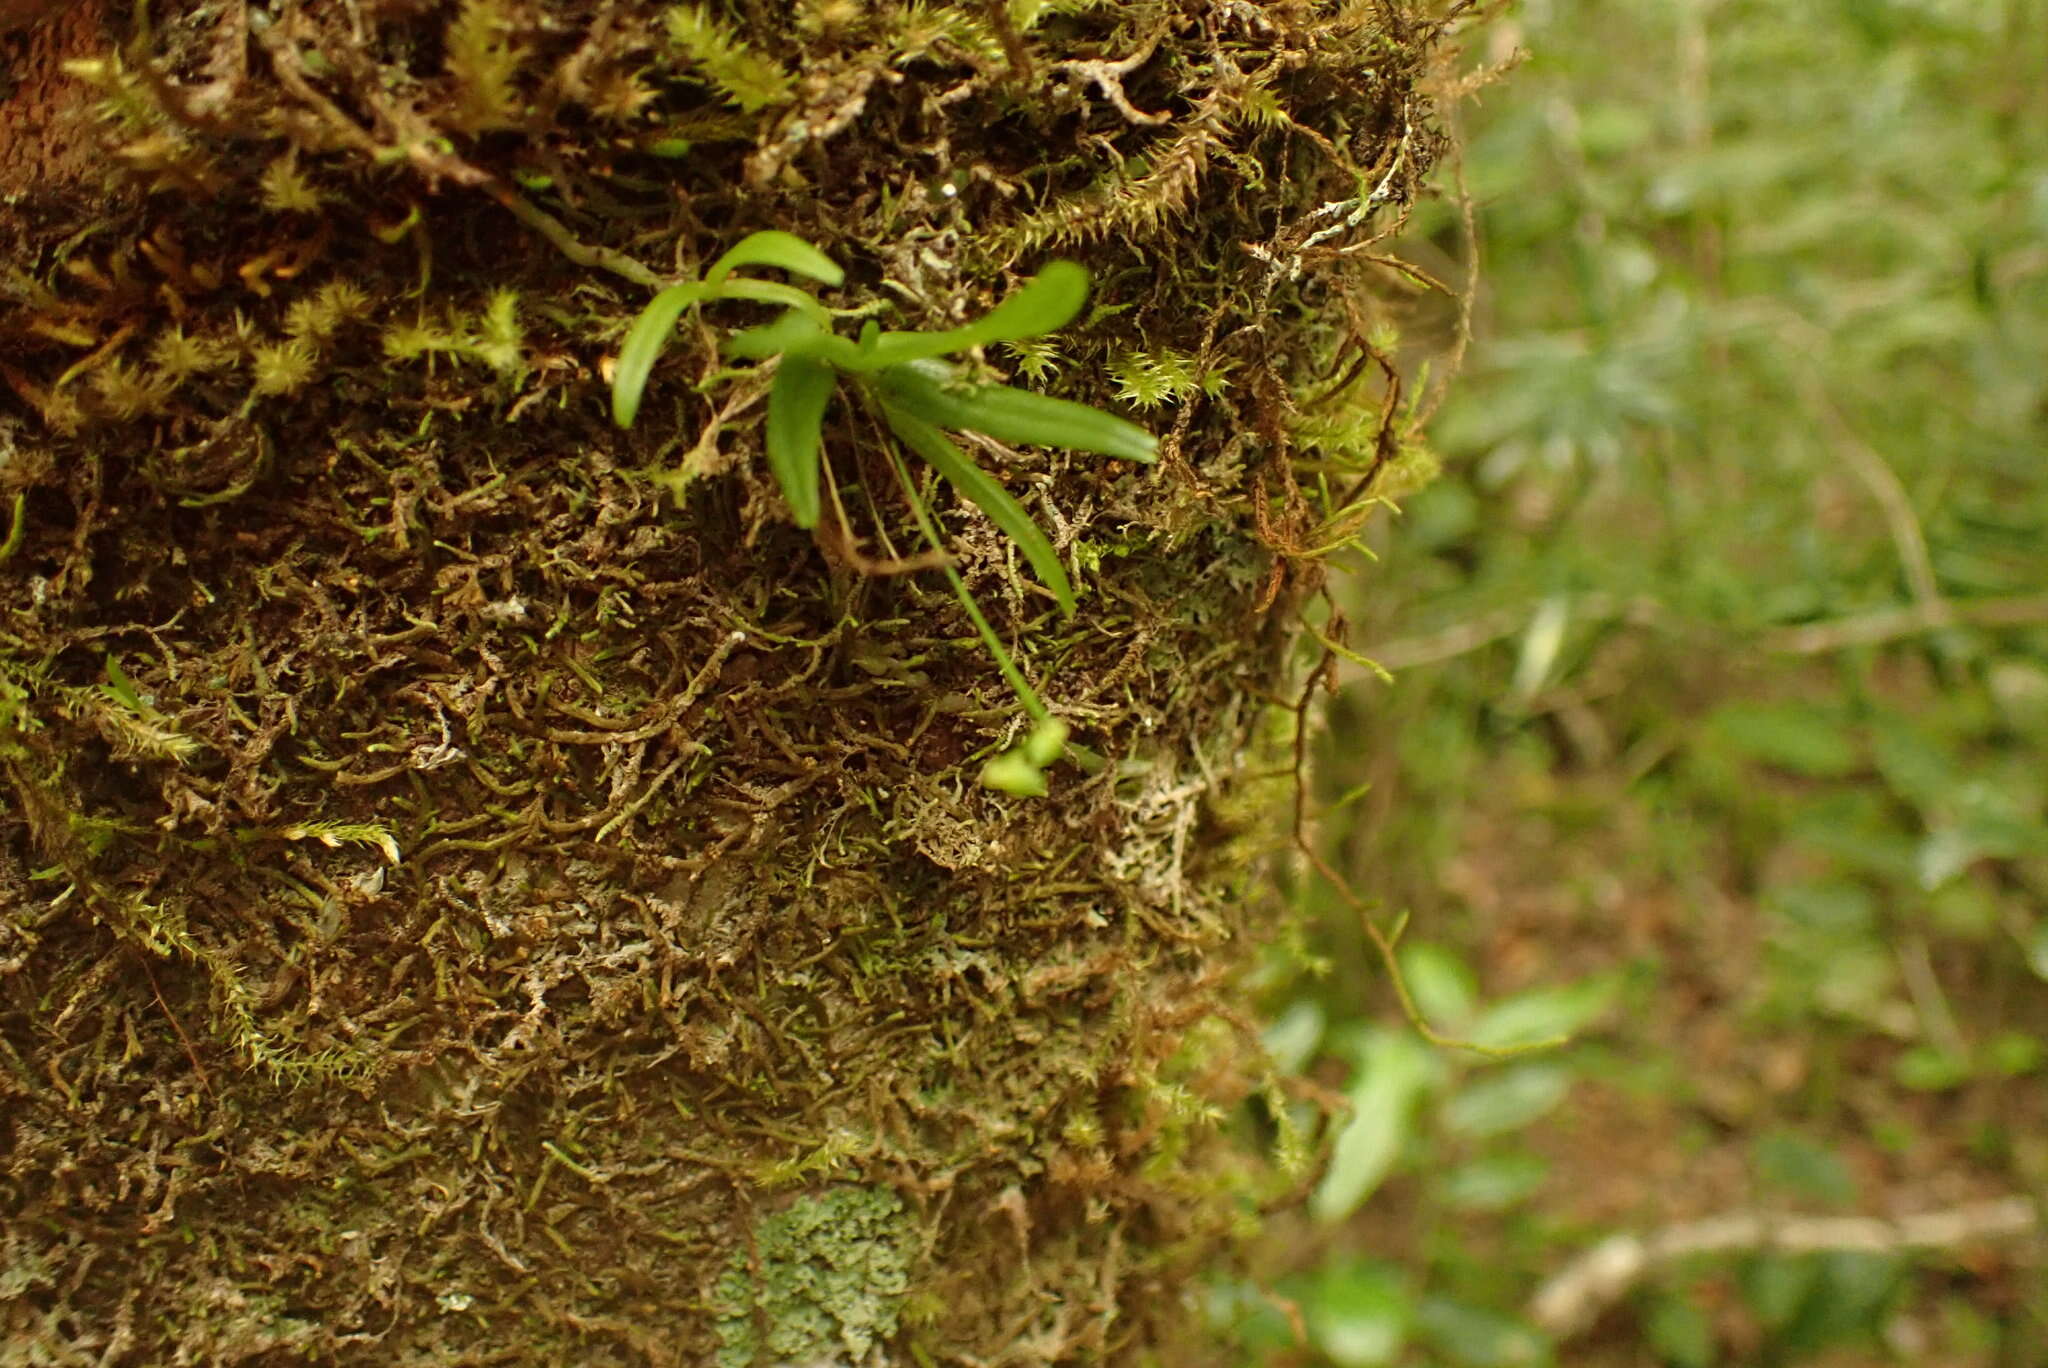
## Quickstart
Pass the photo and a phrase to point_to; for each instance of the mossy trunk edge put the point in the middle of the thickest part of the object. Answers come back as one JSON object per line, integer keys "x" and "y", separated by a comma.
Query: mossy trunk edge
{"x": 481, "y": 886}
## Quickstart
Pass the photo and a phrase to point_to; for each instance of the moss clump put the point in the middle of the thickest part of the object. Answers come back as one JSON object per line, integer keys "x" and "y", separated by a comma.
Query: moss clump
{"x": 825, "y": 1278}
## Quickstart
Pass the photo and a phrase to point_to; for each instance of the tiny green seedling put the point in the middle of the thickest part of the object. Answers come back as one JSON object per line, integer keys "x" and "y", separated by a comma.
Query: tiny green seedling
{"x": 903, "y": 379}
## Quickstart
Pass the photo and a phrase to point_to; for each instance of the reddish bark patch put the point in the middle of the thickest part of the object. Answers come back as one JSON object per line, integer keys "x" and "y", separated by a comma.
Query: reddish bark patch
{"x": 46, "y": 117}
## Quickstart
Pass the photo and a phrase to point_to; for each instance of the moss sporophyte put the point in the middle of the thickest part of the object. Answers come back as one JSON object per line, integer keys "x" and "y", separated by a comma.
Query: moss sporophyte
{"x": 902, "y": 379}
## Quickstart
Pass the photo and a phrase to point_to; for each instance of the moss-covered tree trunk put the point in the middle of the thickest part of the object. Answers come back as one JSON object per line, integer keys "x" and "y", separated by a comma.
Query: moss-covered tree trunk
{"x": 480, "y": 886}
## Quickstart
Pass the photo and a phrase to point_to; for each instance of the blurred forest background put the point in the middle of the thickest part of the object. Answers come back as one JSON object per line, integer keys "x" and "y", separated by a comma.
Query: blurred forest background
{"x": 1718, "y": 737}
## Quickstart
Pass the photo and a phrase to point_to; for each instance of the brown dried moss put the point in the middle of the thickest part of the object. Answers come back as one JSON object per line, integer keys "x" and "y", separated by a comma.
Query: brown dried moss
{"x": 468, "y": 873}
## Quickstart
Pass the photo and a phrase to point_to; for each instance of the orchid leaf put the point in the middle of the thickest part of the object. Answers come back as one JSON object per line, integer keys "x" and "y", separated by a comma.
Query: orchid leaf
{"x": 793, "y": 334}
{"x": 785, "y": 251}
{"x": 1014, "y": 415}
{"x": 981, "y": 489}
{"x": 774, "y": 292}
{"x": 1045, "y": 303}
{"x": 796, "y": 415}
{"x": 644, "y": 343}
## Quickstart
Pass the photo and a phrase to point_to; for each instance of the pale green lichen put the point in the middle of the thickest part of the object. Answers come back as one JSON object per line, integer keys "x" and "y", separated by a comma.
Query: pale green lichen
{"x": 823, "y": 1282}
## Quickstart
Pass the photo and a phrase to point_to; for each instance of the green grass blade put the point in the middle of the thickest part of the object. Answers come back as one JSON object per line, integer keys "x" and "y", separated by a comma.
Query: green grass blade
{"x": 980, "y": 488}
{"x": 786, "y": 251}
{"x": 796, "y": 416}
{"x": 1014, "y": 415}
{"x": 643, "y": 346}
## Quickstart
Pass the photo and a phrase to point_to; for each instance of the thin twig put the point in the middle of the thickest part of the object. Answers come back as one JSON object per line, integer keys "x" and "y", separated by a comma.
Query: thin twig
{"x": 1107, "y": 78}
{"x": 1385, "y": 940}
{"x": 1573, "y": 1299}
{"x": 277, "y": 40}
{"x": 1468, "y": 221}
{"x": 1883, "y": 483}
{"x": 1813, "y": 638}
{"x": 190, "y": 1053}
{"x": 1916, "y": 965}
{"x": 568, "y": 244}
{"x": 1891, "y": 624}
{"x": 1014, "y": 50}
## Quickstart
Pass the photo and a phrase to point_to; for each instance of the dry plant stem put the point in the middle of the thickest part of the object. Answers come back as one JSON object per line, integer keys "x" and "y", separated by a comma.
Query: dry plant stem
{"x": 568, "y": 244}
{"x": 1573, "y": 1299}
{"x": 1892, "y": 624}
{"x": 1014, "y": 51}
{"x": 1916, "y": 965}
{"x": 1468, "y": 226}
{"x": 1883, "y": 483}
{"x": 156, "y": 990}
{"x": 1384, "y": 940}
{"x": 1462, "y": 638}
{"x": 1817, "y": 638}
{"x": 291, "y": 74}
{"x": 17, "y": 523}
{"x": 1108, "y": 78}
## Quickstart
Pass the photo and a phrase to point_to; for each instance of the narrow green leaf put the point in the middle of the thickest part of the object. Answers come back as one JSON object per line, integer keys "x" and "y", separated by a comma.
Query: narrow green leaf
{"x": 1045, "y": 303}
{"x": 1359, "y": 1311}
{"x": 978, "y": 486}
{"x": 122, "y": 690}
{"x": 895, "y": 348}
{"x": 1014, "y": 415}
{"x": 775, "y": 248}
{"x": 773, "y": 292}
{"x": 792, "y": 332}
{"x": 796, "y": 416}
{"x": 1292, "y": 1040}
{"x": 1393, "y": 1071}
{"x": 643, "y": 347}
{"x": 1496, "y": 1103}
{"x": 1021, "y": 769}
{"x": 1544, "y": 1014}
{"x": 1034, "y": 706}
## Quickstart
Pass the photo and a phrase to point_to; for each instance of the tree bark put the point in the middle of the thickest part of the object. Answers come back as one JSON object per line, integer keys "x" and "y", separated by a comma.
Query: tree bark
{"x": 480, "y": 885}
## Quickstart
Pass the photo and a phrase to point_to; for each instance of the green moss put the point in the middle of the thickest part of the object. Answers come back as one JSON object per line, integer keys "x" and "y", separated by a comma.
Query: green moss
{"x": 825, "y": 1276}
